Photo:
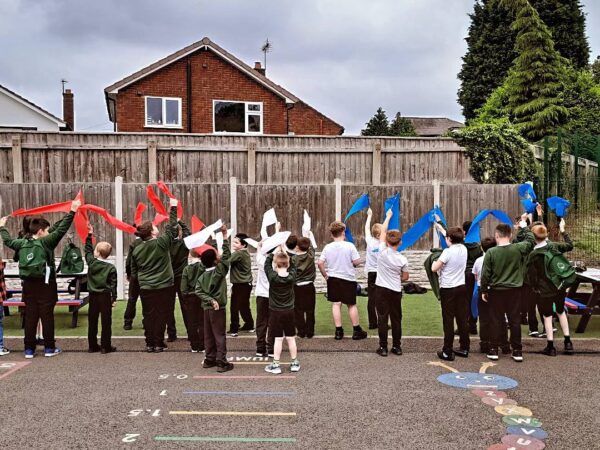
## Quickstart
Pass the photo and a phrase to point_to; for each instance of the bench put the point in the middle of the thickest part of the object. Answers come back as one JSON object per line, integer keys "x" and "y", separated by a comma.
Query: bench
{"x": 74, "y": 306}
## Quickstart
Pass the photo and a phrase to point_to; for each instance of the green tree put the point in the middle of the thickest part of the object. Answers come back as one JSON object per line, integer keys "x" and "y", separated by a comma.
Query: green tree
{"x": 596, "y": 70}
{"x": 378, "y": 125}
{"x": 533, "y": 84}
{"x": 401, "y": 126}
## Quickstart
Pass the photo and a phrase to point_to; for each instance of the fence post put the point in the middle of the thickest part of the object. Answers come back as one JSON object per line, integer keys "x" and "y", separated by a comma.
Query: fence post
{"x": 233, "y": 204}
{"x": 436, "y": 201}
{"x": 576, "y": 172}
{"x": 376, "y": 164}
{"x": 152, "y": 162}
{"x": 17, "y": 160}
{"x": 252, "y": 163}
{"x": 546, "y": 181}
{"x": 338, "y": 199}
{"x": 119, "y": 237}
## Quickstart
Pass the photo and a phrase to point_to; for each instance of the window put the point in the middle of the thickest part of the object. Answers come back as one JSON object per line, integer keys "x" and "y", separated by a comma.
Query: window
{"x": 237, "y": 117}
{"x": 163, "y": 112}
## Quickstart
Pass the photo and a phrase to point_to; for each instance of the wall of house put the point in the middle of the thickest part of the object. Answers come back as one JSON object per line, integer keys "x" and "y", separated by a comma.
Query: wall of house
{"x": 15, "y": 114}
{"x": 212, "y": 79}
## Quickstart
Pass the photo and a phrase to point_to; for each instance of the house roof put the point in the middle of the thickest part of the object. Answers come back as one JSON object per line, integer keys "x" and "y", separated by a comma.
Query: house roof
{"x": 111, "y": 91}
{"x": 32, "y": 106}
{"x": 433, "y": 126}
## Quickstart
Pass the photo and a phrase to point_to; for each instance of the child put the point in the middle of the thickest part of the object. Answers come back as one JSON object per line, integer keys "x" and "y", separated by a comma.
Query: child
{"x": 211, "y": 288}
{"x": 341, "y": 258}
{"x": 304, "y": 290}
{"x": 483, "y": 307}
{"x": 264, "y": 338}
{"x": 133, "y": 291}
{"x": 241, "y": 280}
{"x": 151, "y": 265}
{"x": 392, "y": 270}
{"x": 372, "y": 235}
{"x": 102, "y": 286}
{"x": 281, "y": 306}
{"x": 501, "y": 282}
{"x": 179, "y": 260}
{"x": 453, "y": 293}
{"x": 3, "y": 296}
{"x": 191, "y": 302}
{"x": 38, "y": 274}
{"x": 548, "y": 295}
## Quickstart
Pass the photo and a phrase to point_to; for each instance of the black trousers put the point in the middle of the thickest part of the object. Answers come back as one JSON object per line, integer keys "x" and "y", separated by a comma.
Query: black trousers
{"x": 455, "y": 307}
{"x": 470, "y": 287}
{"x": 240, "y": 305}
{"x": 171, "y": 323}
{"x": 389, "y": 308}
{"x": 40, "y": 299}
{"x": 132, "y": 296}
{"x": 371, "y": 301}
{"x": 304, "y": 309}
{"x": 214, "y": 335}
{"x": 506, "y": 302}
{"x": 195, "y": 321}
{"x": 528, "y": 307}
{"x": 155, "y": 308}
{"x": 264, "y": 341}
{"x": 100, "y": 305}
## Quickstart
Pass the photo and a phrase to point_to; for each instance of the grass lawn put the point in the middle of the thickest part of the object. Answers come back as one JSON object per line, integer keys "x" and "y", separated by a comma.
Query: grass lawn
{"x": 421, "y": 317}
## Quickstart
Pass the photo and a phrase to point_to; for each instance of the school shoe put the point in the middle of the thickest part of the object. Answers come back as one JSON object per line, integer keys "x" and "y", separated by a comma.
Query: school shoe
{"x": 224, "y": 366}
{"x": 339, "y": 334}
{"x": 549, "y": 351}
{"x": 397, "y": 350}
{"x": 206, "y": 364}
{"x": 262, "y": 354}
{"x": 273, "y": 368}
{"x": 295, "y": 366}
{"x": 534, "y": 334}
{"x": 197, "y": 350}
{"x": 93, "y": 349}
{"x": 372, "y": 327}
{"x": 271, "y": 354}
{"x": 310, "y": 336}
{"x": 50, "y": 352}
{"x": 542, "y": 334}
{"x": 462, "y": 353}
{"x": 150, "y": 349}
{"x": 171, "y": 338}
{"x": 359, "y": 334}
{"x": 4, "y": 351}
{"x": 301, "y": 336}
{"x": 382, "y": 351}
{"x": 473, "y": 329}
{"x": 569, "y": 350}
{"x": 492, "y": 354}
{"x": 29, "y": 353}
{"x": 127, "y": 327}
{"x": 106, "y": 350}
{"x": 247, "y": 328}
{"x": 517, "y": 355}
{"x": 445, "y": 356}
{"x": 233, "y": 334}
{"x": 159, "y": 349}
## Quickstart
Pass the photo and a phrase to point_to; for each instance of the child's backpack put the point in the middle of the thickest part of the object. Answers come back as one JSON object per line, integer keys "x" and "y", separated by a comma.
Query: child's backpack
{"x": 71, "y": 261}
{"x": 559, "y": 270}
{"x": 32, "y": 260}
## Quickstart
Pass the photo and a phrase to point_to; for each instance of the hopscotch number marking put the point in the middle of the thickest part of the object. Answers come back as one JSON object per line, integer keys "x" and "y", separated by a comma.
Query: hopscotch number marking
{"x": 130, "y": 437}
{"x": 163, "y": 393}
{"x": 180, "y": 376}
{"x": 140, "y": 412}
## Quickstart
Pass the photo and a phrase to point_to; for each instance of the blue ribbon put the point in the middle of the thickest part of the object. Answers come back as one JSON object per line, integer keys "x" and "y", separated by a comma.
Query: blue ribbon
{"x": 474, "y": 232}
{"x": 559, "y": 205}
{"x": 416, "y": 232}
{"x": 393, "y": 203}
{"x": 361, "y": 203}
{"x": 475, "y": 302}
{"x": 528, "y": 197}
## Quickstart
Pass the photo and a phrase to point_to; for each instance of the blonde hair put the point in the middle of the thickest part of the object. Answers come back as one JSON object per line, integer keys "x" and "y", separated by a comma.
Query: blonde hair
{"x": 376, "y": 230}
{"x": 282, "y": 260}
{"x": 104, "y": 249}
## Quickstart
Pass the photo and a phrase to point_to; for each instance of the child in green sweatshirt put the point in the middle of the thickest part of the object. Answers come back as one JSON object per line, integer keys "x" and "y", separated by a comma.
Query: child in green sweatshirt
{"x": 191, "y": 302}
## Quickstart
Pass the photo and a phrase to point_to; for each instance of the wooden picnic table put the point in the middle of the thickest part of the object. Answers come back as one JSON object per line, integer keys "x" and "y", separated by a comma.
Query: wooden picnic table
{"x": 591, "y": 301}
{"x": 74, "y": 304}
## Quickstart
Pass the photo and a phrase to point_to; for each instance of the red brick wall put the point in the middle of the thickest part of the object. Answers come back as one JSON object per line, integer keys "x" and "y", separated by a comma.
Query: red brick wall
{"x": 212, "y": 79}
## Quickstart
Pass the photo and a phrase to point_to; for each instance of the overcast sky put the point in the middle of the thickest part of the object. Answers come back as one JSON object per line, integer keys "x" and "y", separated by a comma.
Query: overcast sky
{"x": 343, "y": 57}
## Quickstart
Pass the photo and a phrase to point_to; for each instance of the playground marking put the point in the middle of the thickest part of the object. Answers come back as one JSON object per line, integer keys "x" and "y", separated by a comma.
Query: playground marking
{"x": 233, "y": 413}
{"x": 221, "y": 439}
{"x": 244, "y": 377}
{"x": 12, "y": 367}
{"x": 251, "y": 363}
{"x": 242, "y": 393}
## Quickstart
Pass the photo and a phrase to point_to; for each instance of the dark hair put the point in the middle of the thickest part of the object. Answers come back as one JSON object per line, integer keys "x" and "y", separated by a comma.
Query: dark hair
{"x": 504, "y": 230}
{"x": 209, "y": 258}
{"x": 36, "y": 224}
{"x": 466, "y": 226}
{"x": 393, "y": 237}
{"x": 24, "y": 231}
{"x": 291, "y": 242}
{"x": 144, "y": 231}
{"x": 487, "y": 243}
{"x": 456, "y": 235}
{"x": 242, "y": 237}
{"x": 303, "y": 244}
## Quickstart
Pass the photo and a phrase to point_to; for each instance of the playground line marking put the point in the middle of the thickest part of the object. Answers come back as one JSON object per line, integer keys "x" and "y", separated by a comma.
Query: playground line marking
{"x": 241, "y": 393}
{"x": 244, "y": 377}
{"x": 220, "y": 439}
{"x": 12, "y": 367}
{"x": 232, "y": 413}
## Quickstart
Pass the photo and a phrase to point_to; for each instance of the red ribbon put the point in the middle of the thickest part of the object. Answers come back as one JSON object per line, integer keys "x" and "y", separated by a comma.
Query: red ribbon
{"x": 111, "y": 220}
{"x": 163, "y": 187}
{"x": 197, "y": 224}
{"x": 160, "y": 208}
{"x": 55, "y": 207}
{"x": 139, "y": 210}
{"x": 159, "y": 218}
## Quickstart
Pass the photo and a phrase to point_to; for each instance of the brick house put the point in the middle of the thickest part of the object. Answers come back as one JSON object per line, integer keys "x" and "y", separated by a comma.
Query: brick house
{"x": 202, "y": 88}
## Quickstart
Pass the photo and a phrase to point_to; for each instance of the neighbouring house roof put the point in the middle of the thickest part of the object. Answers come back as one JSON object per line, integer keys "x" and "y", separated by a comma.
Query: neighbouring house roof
{"x": 434, "y": 126}
{"x": 29, "y": 104}
{"x": 205, "y": 44}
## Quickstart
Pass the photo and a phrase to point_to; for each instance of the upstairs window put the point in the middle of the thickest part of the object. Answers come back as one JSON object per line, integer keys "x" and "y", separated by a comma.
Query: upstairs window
{"x": 163, "y": 112}
{"x": 237, "y": 117}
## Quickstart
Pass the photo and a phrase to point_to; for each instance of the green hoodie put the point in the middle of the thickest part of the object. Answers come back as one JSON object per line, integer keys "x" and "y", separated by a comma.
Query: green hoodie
{"x": 536, "y": 266}
{"x": 101, "y": 275}
{"x": 212, "y": 284}
{"x": 305, "y": 264}
{"x": 281, "y": 289}
{"x": 241, "y": 267}
{"x": 179, "y": 252}
{"x": 190, "y": 276}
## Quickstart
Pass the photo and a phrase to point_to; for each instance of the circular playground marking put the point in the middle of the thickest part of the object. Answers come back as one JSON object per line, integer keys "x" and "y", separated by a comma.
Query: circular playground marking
{"x": 516, "y": 441}
{"x": 511, "y": 410}
{"x": 488, "y": 393}
{"x": 537, "y": 433}
{"x": 498, "y": 401}
{"x": 522, "y": 421}
{"x": 477, "y": 381}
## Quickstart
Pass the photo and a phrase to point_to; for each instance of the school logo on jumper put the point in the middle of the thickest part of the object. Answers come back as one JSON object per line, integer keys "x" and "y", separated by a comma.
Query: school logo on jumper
{"x": 29, "y": 256}
{"x": 523, "y": 430}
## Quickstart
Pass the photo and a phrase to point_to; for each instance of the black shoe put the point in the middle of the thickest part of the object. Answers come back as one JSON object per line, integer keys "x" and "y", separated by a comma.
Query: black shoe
{"x": 93, "y": 349}
{"x": 456, "y": 333}
{"x": 110, "y": 349}
{"x": 359, "y": 334}
{"x": 301, "y": 335}
{"x": 517, "y": 355}
{"x": 310, "y": 336}
{"x": 372, "y": 327}
{"x": 382, "y": 351}
{"x": 208, "y": 364}
{"x": 171, "y": 338}
{"x": 397, "y": 350}
{"x": 493, "y": 354}
{"x": 159, "y": 349}
{"x": 127, "y": 327}
{"x": 484, "y": 348}
{"x": 462, "y": 353}
{"x": 339, "y": 334}
{"x": 150, "y": 349}
{"x": 247, "y": 328}
{"x": 473, "y": 329}
{"x": 506, "y": 350}
{"x": 262, "y": 354}
{"x": 445, "y": 356}
{"x": 224, "y": 367}
{"x": 549, "y": 351}
{"x": 569, "y": 350}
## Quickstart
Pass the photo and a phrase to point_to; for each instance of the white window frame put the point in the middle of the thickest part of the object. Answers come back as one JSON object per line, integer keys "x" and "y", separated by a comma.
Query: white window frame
{"x": 164, "y": 112}
{"x": 246, "y": 114}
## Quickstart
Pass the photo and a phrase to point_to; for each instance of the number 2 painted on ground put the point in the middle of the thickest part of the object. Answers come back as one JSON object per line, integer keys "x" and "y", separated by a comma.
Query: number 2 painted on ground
{"x": 129, "y": 437}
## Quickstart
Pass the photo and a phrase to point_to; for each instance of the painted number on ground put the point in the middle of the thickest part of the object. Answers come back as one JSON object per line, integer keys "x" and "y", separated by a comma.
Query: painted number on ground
{"x": 144, "y": 412}
{"x": 180, "y": 376}
{"x": 130, "y": 437}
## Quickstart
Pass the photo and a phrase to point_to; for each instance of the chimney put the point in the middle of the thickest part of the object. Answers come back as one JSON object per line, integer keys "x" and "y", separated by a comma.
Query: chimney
{"x": 68, "y": 110}
{"x": 259, "y": 69}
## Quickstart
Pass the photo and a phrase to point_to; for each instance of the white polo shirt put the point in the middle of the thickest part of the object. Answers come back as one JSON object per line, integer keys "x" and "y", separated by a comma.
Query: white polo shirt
{"x": 390, "y": 266}
{"x": 452, "y": 273}
{"x": 372, "y": 254}
{"x": 338, "y": 257}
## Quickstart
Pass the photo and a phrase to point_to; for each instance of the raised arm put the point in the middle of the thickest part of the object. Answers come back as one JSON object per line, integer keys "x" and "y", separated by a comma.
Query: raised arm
{"x": 89, "y": 247}
{"x": 112, "y": 284}
{"x": 269, "y": 271}
{"x": 368, "y": 224}
{"x": 13, "y": 244}
{"x": 566, "y": 246}
{"x": 52, "y": 240}
{"x": 170, "y": 235}
{"x": 185, "y": 230}
{"x": 385, "y": 225}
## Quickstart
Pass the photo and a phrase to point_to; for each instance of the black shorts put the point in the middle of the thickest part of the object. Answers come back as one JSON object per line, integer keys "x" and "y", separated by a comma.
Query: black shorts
{"x": 545, "y": 305}
{"x": 339, "y": 290}
{"x": 281, "y": 323}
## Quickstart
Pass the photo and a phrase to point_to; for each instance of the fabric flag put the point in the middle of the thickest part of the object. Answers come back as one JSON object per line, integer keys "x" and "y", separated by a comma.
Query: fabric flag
{"x": 475, "y": 302}
{"x": 474, "y": 232}
{"x": 111, "y": 220}
{"x": 163, "y": 187}
{"x": 441, "y": 237}
{"x": 159, "y": 218}
{"x": 155, "y": 201}
{"x": 361, "y": 203}
{"x": 252, "y": 242}
{"x": 269, "y": 218}
{"x": 393, "y": 203}
{"x": 528, "y": 197}
{"x": 139, "y": 210}
{"x": 81, "y": 219}
{"x": 422, "y": 226}
{"x": 55, "y": 207}
{"x": 197, "y": 224}
{"x": 559, "y": 205}
{"x": 199, "y": 238}
{"x": 306, "y": 227}
{"x": 274, "y": 241}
